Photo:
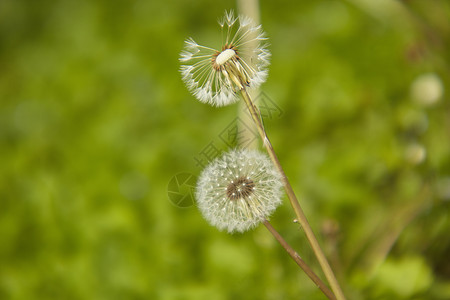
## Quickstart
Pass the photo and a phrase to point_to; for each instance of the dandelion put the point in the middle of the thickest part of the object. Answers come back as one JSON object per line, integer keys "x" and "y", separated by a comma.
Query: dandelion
{"x": 427, "y": 89}
{"x": 239, "y": 190}
{"x": 214, "y": 76}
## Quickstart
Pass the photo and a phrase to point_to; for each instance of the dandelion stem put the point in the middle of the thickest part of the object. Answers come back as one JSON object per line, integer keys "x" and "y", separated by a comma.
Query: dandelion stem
{"x": 257, "y": 119}
{"x": 296, "y": 257}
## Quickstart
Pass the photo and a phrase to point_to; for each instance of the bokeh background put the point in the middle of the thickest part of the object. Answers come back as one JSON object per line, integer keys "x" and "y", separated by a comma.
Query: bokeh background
{"x": 100, "y": 144}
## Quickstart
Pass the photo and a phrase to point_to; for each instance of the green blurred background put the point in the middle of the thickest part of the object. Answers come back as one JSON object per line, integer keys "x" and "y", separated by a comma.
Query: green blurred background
{"x": 95, "y": 122}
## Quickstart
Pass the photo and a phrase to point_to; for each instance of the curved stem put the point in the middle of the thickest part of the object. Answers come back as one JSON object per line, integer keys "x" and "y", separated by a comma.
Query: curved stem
{"x": 256, "y": 116}
{"x": 296, "y": 257}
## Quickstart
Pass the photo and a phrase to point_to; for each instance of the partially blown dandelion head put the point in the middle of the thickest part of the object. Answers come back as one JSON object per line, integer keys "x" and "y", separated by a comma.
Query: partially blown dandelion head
{"x": 215, "y": 75}
{"x": 239, "y": 190}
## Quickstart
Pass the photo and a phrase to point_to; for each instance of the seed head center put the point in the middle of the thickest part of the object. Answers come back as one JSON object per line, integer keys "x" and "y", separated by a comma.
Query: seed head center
{"x": 240, "y": 188}
{"x": 225, "y": 56}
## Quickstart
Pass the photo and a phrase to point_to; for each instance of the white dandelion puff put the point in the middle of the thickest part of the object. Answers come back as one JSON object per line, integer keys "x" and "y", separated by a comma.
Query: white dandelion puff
{"x": 239, "y": 190}
{"x": 214, "y": 76}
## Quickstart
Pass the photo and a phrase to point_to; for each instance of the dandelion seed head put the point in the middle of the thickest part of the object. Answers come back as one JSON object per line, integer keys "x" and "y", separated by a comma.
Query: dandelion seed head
{"x": 243, "y": 200}
{"x": 214, "y": 76}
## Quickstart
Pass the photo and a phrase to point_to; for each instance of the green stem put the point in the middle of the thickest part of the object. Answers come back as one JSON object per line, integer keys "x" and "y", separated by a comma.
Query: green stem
{"x": 256, "y": 116}
{"x": 294, "y": 255}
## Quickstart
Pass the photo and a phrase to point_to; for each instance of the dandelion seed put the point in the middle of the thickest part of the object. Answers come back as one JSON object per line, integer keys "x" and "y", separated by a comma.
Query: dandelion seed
{"x": 214, "y": 76}
{"x": 240, "y": 203}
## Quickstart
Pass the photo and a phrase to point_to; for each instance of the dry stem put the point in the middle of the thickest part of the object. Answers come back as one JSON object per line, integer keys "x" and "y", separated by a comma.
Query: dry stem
{"x": 294, "y": 255}
{"x": 257, "y": 119}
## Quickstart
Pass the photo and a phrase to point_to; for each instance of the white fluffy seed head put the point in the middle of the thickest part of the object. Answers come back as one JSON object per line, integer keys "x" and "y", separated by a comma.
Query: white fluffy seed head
{"x": 206, "y": 71}
{"x": 239, "y": 190}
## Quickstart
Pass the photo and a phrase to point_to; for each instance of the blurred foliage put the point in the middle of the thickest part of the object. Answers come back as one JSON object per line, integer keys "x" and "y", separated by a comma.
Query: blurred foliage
{"x": 95, "y": 122}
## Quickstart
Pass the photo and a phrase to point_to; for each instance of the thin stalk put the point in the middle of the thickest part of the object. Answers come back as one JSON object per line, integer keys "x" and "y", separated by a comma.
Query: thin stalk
{"x": 256, "y": 116}
{"x": 296, "y": 257}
